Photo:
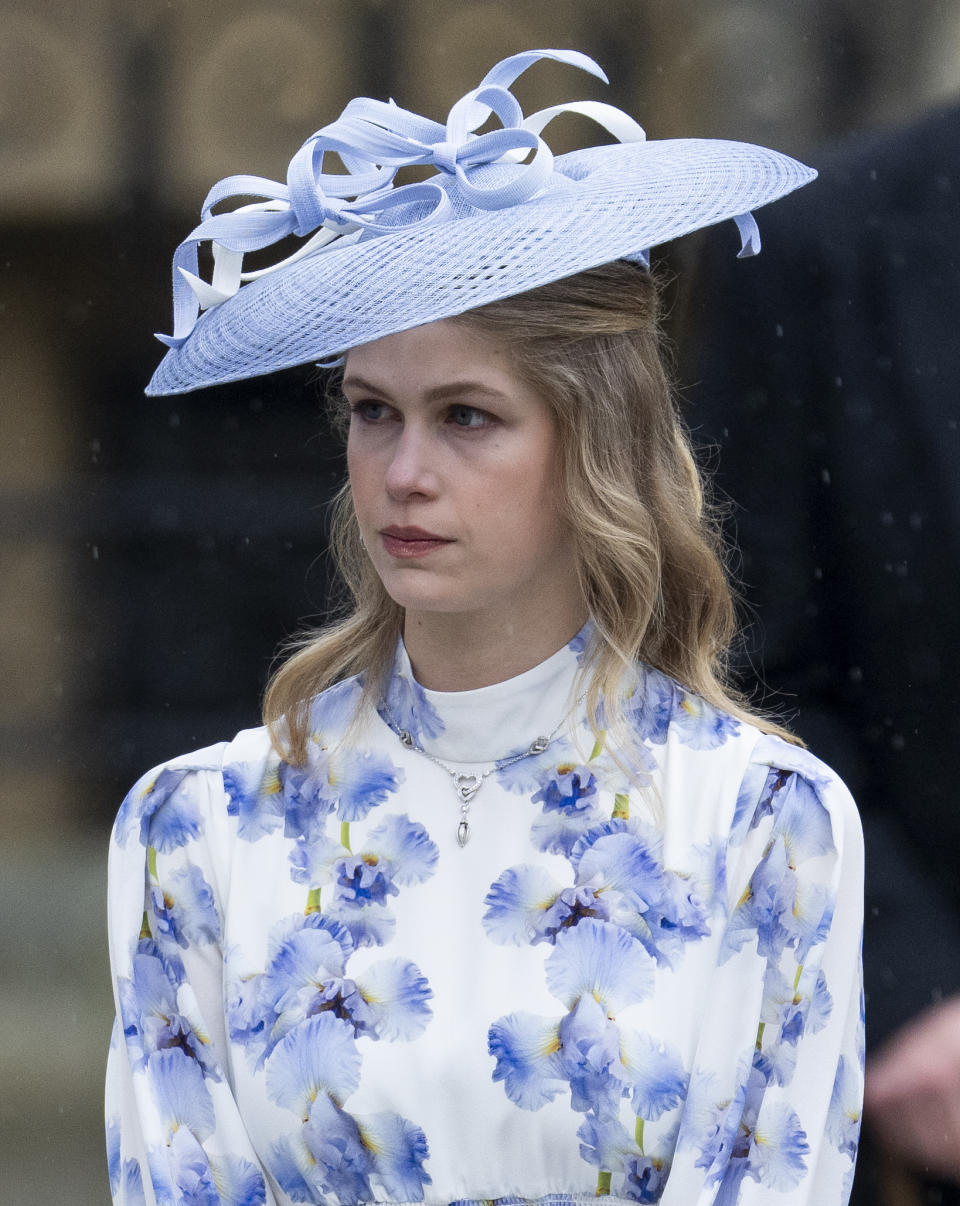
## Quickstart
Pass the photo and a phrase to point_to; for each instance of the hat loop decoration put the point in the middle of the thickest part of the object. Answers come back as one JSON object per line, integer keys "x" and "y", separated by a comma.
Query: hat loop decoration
{"x": 500, "y": 216}
{"x": 374, "y": 139}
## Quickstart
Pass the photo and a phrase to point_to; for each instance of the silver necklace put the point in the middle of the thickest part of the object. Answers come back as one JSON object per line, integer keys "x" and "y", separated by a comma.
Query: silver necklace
{"x": 467, "y": 785}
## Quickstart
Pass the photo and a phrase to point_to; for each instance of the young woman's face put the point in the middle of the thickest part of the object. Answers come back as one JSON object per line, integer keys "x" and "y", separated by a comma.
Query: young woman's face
{"x": 454, "y": 470}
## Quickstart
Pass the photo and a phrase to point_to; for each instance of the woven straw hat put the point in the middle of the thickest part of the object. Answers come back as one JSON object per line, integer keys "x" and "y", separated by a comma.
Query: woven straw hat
{"x": 381, "y": 258}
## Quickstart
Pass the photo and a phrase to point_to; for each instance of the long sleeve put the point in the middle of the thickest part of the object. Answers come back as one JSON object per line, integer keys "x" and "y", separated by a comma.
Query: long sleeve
{"x": 174, "y": 1132}
{"x": 775, "y": 1099}
{"x": 829, "y": 400}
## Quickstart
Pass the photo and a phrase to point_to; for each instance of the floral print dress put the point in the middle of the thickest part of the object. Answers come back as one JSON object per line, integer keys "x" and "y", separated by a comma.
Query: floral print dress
{"x": 643, "y": 986}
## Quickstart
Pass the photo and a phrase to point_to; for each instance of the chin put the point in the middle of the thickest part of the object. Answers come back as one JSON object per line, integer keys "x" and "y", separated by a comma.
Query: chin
{"x": 430, "y": 596}
{"x": 432, "y": 601}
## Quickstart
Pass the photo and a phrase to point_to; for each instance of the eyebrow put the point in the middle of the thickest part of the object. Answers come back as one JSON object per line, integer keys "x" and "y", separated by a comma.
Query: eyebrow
{"x": 439, "y": 393}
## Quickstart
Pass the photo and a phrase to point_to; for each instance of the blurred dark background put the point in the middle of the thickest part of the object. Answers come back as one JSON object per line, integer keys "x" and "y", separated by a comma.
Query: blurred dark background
{"x": 156, "y": 552}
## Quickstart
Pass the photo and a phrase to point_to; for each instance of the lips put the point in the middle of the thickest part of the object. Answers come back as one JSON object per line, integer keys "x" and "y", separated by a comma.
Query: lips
{"x": 405, "y": 543}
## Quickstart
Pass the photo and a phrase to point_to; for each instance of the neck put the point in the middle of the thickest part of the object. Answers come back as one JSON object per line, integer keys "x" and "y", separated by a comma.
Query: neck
{"x": 461, "y": 651}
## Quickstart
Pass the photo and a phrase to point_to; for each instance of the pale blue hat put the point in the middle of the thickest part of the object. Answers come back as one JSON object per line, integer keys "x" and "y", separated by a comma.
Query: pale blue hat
{"x": 380, "y": 258}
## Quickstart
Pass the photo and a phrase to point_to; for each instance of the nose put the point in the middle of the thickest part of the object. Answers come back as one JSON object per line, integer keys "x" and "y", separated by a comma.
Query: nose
{"x": 412, "y": 469}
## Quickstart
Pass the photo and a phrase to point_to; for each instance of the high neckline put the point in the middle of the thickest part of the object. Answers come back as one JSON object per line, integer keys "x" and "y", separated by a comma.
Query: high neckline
{"x": 485, "y": 724}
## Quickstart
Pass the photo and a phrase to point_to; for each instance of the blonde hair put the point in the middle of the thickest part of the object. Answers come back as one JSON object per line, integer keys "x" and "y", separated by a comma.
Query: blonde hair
{"x": 647, "y": 547}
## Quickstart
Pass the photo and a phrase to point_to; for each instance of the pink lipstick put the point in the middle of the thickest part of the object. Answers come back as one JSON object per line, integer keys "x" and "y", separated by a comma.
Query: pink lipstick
{"x": 411, "y": 542}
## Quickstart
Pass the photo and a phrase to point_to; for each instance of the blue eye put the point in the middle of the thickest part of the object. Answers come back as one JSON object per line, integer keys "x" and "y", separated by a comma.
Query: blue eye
{"x": 468, "y": 416}
{"x": 368, "y": 410}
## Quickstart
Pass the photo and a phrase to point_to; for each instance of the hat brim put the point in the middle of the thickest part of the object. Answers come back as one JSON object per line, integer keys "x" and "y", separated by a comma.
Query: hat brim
{"x": 610, "y": 202}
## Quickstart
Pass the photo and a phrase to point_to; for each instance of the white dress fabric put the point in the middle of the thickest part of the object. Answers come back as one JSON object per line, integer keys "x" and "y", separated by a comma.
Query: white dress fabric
{"x": 645, "y": 990}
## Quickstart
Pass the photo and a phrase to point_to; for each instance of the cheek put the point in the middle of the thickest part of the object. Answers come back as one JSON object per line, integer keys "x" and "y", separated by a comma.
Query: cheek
{"x": 361, "y": 475}
{"x": 526, "y": 506}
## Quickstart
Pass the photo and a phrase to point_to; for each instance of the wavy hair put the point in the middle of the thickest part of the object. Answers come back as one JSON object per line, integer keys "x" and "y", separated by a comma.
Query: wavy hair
{"x": 648, "y": 550}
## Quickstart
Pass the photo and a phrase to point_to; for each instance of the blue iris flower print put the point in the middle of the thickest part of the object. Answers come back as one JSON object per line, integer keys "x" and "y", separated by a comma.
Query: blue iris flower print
{"x": 314, "y": 1069}
{"x": 255, "y": 798}
{"x": 181, "y": 1095}
{"x": 294, "y": 1168}
{"x": 788, "y": 1012}
{"x": 317, "y": 1057}
{"x": 392, "y": 998}
{"x": 397, "y": 852}
{"x": 167, "y": 818}
{"x": 755, "y": 790}
{"x": 601, "y": 960}
{"x": 769, "y": 799}
{"x": 181, "y": 1172}
{"x": 369, "y": 925}
{"x": 527, "y": 1051}
{"x": 409, "y": 708}
{"x": 304, "y": 953}
{"x": 184, "y": 909}
{"x": 778, "y": 1147}
{"x": 778, "y": 910}
{"x": 646, "y": 1178}
{"x": 336, "y": 1153}
{"x": 654, "y": 1073}
{"x": 570, "y": 801}
{"x": 360, "y": 780}
{"x": 332, "y": 710}
{"x": 168, "y": 957}
{"x": 527, "y": 905}
{"x": 606, "y": 1144}
{"x": 700, "y": 725}
{"x": 362, "y": 883}
{"x": 152, "y": 1020}
{"x": 590, "y": 1057}
{"x": 650, "y": 707}
{"x": 343, "y": 1163}
{"x": 802, "y": 822}
{"x": 843, "y": 1114}
{"x": 238, "y": 1182}
{"x": 596, "y": 970}
{"x": 401, "y": 849}
{"x": 398, "y": 1150}
{"x": 307, "y": 799}
{"x": 745, "y": 1136}
{"x": 571, "y": 788}
{"x": 579, "y": 643}
{"x": 126, "y": 1178}
{"x": 312, "y": 860}
{"x": 793, "y": 796}
{"x": 620, "y": 878}
{"x": 711, "y": 1122}
{"x": 306, "y": 977}
{"x": 659, "y": 704}
{"x": 623, "y": 861}
{"x": 529, "y": 774}
{"x": 348, "y": 782}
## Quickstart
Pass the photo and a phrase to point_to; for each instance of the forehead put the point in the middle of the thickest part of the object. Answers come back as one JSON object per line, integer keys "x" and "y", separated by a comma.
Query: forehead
{"x": 429, "y": 356}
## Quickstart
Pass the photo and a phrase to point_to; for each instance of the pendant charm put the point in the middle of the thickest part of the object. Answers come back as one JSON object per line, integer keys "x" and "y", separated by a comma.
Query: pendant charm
{"x": 463, "y": 833}
{"x": 467, "y": 787}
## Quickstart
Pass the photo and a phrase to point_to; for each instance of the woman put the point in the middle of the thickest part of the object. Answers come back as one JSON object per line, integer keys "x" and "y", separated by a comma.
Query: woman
{"x": 510, "y": 899}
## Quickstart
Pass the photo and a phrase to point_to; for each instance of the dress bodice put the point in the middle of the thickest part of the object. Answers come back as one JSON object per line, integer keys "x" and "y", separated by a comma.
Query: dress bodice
{"x": 640, "y": 984}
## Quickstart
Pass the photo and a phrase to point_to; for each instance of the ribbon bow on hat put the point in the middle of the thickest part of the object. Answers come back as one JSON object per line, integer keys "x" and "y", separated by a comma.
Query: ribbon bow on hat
{"x": 374, "y": 140}
{"x": 499, "y": 217}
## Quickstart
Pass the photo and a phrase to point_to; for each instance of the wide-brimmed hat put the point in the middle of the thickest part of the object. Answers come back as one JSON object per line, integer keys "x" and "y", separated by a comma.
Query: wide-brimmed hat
{"x": 500, "y": 217}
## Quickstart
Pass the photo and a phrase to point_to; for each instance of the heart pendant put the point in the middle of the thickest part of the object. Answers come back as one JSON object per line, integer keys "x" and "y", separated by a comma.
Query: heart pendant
{"x": 467, "y": 786}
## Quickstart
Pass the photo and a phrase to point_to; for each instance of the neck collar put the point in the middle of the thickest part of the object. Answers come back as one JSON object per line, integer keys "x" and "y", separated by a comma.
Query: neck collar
{"x": 488, "y": 723}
